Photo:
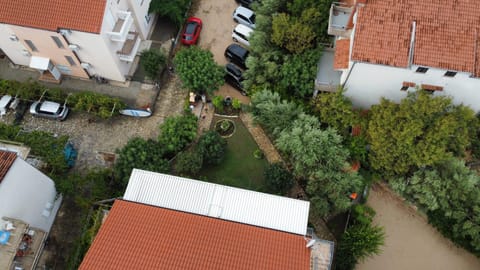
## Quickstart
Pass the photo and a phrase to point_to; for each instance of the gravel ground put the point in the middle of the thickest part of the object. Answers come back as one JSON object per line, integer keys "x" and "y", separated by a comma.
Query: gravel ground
{"x": 93, "y": 137}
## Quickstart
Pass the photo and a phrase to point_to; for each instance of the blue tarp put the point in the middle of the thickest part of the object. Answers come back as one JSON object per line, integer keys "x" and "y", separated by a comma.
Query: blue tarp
{"x": 4, "y": 236}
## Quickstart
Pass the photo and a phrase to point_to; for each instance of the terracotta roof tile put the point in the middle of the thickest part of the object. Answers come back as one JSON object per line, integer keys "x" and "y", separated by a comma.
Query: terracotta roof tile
{"x": 138, "y": 236}
{"x": 342, "y": 54}
{"x": 446, "y": 33}
{"x": 6, "y": 160}
{"x": 84, "y": 15}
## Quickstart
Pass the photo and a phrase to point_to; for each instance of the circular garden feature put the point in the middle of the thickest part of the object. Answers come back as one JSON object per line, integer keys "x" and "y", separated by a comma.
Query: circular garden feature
{"x": 225, "y": 127}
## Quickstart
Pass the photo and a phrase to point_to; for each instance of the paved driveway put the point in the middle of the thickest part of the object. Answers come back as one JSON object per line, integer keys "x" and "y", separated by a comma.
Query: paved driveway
{"x": 217, "y": 34}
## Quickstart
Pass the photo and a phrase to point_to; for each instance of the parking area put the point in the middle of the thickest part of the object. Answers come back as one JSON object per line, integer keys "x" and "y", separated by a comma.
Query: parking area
{"x": 216, "y": 34}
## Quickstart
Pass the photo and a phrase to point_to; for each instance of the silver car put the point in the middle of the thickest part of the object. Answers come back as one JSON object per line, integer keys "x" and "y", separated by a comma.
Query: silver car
{"x": 49, "y": 109}
{"x": 244, "y": 16}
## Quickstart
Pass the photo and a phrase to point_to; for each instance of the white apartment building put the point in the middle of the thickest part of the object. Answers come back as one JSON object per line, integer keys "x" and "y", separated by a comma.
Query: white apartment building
{"x": 81, "y": 39}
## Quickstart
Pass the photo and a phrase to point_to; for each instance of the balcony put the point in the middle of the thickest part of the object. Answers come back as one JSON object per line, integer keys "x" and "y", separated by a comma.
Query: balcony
{"x": 130, "y": 47}
{"x": 122, "y": 26}
{"x": 327, "y": 79}
{"x": 339, "y": 23}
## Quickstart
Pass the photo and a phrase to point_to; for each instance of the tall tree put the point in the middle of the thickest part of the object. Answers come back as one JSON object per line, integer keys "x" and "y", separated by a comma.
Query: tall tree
{"x": 318, "y": 155}
{"x": 177, "y": 132}
{"x": 173, "y": 9}
{"x": 334, "y": 109}
{"x": 198, "y": 71}
{"x": 420, "y": 131}
{"x": 298, "y": 73}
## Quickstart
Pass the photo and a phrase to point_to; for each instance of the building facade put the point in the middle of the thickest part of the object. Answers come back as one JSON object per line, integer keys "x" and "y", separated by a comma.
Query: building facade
{"x": 388, "y": 48}
{"x": 81, "y": 39}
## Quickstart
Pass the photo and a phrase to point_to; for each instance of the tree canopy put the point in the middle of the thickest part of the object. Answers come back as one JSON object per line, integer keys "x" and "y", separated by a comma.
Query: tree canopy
{"x": 177, "y": 132}
{"x": 420, "y": 131}
{"x": 173, "y": 9}
{"x": 198, "y": 71}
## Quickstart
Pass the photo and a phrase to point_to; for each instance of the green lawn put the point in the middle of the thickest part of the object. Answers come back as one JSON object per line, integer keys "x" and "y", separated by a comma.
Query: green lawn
{"x": 239, "y": 168}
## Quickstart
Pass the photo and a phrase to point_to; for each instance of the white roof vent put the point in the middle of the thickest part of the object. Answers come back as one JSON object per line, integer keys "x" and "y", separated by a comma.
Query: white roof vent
{"x": 73, "y": 47}
{"x": 85, "y": 65}
{"x": 13, "y": 38}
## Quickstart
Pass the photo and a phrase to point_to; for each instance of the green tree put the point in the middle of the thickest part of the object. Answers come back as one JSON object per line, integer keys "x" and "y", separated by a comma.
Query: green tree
{"x": 296, "y": 34}
{"x": 153, "y": 61}
{"x": 358, "y": 243}
{"x": 298, "y": 73}
{"x": 189, "y": 162}
{"x": 198, "y": 71}
{"x": 177, "y": 132}
{"x": 278, "y": 179}
{"x": 334, "y": 109}
{"x": 420, "y": 131}
{"x": 450, "y": 192}
{"x": 318, "y": 155}
{"x": 173, "y": 9}
{"x": 274, "y": 114}
{"x": 140, "y": 154}
{"x": 212, "y": 147}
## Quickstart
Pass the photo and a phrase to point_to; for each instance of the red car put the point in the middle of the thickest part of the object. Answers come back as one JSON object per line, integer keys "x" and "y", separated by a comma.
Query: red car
{"x": 191, "y": 32}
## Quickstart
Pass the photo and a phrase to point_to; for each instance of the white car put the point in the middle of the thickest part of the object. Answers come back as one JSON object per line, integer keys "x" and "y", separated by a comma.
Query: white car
{"x": 241, "y": 34}
{"x": 244, "y": 16}
{"x": 49, "y": 109}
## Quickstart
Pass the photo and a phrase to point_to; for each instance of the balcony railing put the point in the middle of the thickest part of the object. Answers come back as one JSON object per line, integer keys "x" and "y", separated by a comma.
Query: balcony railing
{"x": 122, "y": 26}
{"x": 130, "y": 47}
{"x": 340, "y": 18}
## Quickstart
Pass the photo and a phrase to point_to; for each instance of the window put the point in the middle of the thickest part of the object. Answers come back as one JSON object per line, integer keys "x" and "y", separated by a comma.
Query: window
{"x": 422, "y": 70}
{"x": 406, "y": 85}
{"x": 450, "y": 74}
{"x": 70, "y": 60}
{"x": 431, "y": 88}
{"x": 31, "y": 45}
{"x": 404, "y": 88}
{"x": 147, "y": 18}
{"x": 58, "y": 42}
{"x": 64, "y": 69}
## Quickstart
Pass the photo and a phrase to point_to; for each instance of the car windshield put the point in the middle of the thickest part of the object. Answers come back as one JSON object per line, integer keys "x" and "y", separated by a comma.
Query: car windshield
{"x": 190, "y": 28}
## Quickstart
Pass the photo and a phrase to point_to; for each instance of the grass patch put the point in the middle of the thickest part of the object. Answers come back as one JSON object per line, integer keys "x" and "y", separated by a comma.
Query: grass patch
{"x": 239, "y": 168}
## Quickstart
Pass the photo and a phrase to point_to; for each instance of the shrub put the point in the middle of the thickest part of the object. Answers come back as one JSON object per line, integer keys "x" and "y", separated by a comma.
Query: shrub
{"x": 278, "y": 179}
{"x": 189, "y": 162}
{"x": 236, "y": 104}
{"x": 178, "y": 132}
{"x": 153, "y": 61}
{"x": 212, "y": 147}
{"x": 218, "y": 103}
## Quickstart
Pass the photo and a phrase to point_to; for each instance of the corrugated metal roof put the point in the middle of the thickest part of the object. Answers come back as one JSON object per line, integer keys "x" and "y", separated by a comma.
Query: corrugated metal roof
{"x": 228, "y": 203}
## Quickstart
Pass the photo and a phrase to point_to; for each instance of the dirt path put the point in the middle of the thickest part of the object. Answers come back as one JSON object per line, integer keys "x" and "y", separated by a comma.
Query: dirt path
{"x": 411, "y": 243}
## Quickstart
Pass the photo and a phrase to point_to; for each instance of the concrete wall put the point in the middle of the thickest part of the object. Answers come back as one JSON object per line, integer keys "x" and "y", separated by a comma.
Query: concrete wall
{"x": 24, "y": 194}
{"x": 367, "y": 83}
{"x": 140, "y": 11}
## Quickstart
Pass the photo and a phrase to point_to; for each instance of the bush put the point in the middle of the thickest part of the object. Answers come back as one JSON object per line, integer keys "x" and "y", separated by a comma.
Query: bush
{"x": 189, "y": 162}
{"x": 218, "y": 103}
{"x": 153, "y": 61}
{"x": 236, "y": 104}
{"x": 97, "y": 104}
{"x": 178, "y": 132}
{"x": 278, "y": 179}
{"x": 212, "y": 147}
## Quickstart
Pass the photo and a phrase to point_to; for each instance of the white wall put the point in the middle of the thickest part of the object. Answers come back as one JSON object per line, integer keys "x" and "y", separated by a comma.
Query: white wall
{"x": 13, "y": 49}
{"x": 24, "y": 193}
{"x": 367, "y": 83}
{"x": 140, "y": 11}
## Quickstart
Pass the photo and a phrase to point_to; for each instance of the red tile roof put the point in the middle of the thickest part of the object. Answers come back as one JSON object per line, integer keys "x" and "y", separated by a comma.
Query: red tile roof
{"x": 342, "y": 54}
{"x": 138, "y": 236}
{"x": 446, "y": 36}
{"x": 6, "y": 160}
{"x": 84, "y": 15}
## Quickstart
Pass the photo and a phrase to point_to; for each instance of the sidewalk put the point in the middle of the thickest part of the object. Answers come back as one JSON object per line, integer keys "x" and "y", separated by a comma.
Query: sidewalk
{"x": 135, "y": 94}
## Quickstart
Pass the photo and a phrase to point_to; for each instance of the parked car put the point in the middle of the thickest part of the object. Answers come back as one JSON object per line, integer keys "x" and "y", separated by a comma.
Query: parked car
{"x": 191, "y": 31}
{"x": 244, "y": 16}
{"x": 245, "y": 3}
{"x": 234, "y": 77}
{"x": 241, "y": 34}
{"x": 49, "y": 109}
{"x": 237, "y": 55}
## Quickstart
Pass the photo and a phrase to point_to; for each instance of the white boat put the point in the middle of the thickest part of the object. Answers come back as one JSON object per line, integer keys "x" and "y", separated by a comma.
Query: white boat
{"x": 136, "y": 112}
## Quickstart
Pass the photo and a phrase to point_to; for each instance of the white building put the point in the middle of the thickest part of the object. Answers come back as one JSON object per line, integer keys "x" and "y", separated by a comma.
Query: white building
{"x": 385, "y": 48}
{"x": 26, "y": 194}
{"x": 75, "y": 38}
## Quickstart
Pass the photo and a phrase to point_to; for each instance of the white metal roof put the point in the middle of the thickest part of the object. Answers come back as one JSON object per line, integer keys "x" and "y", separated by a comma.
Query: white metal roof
{"x": 228, "y": 203}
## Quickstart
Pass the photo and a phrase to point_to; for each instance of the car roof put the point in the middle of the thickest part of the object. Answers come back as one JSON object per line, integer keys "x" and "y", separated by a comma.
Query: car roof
{"x": 243, "y": 29}
{"x": 244, "y": 11}
{"x": 237, "y": 49}
{"x": 49, "y": 106}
